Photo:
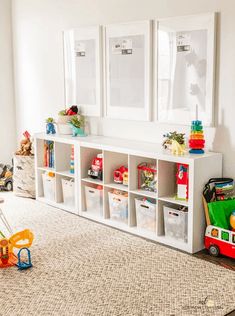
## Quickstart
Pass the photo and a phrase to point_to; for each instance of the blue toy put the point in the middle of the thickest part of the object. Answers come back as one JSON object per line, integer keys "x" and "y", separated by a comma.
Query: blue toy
{"x": 77, "y": 131}
{"x": 50, "y": 128}
{"x": 21, "y": 264}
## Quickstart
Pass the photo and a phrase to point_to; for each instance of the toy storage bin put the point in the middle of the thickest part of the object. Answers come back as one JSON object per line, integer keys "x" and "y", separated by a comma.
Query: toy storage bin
{"x": 145, "y": 214}
{"x": 94, "y": 200}
{"x": 118, "y": 206}
{"x": 176, "y": 223}
{"x": 48, "y": 187}
{"x": 68, "y": 192}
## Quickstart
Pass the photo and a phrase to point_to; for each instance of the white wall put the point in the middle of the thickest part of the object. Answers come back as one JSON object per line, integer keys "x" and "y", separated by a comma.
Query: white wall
{"x": 7, "y": 110}
{"x": 37, "y": 27}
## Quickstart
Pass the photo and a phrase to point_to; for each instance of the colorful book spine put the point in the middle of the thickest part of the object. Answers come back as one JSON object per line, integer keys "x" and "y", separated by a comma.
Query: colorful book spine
{"x": 48, "y": 154}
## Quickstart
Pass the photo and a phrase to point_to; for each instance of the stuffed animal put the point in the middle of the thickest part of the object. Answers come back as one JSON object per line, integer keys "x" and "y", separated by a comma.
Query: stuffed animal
{"x": 26, "y": 146}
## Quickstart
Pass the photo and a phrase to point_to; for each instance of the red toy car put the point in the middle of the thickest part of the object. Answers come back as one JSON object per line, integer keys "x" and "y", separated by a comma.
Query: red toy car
{"x": 118, "y": 175}
{"x": 96, "y": 169}
{"x": 220, "y": 241}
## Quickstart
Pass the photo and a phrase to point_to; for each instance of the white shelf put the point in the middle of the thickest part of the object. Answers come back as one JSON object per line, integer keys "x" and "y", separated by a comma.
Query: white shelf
{"x": 172, "y": 199}
{"x": 66, "y": 173}
{"x": 116, "y": 153}
{"x": 149, "y": 194}
{"x": 91, "y": 180}
{"x": 117, "y": 186}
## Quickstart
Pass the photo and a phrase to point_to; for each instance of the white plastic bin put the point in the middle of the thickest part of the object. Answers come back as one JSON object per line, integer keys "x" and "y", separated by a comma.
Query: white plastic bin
{"x": 145, "y": 214}
{"x": 118, "y": 206}
{"x": 68, "y": 192}
{"x": 94, "y": 201}
{"x": 48, "y": 187}
{"x": 176, "y": 223}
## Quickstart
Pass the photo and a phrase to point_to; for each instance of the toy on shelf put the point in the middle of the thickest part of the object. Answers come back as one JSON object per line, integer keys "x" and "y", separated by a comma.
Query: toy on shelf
{"x": 50, "y": 127}
{"x": 196, "y": 140}
{"x": 7, "y": 256}
{"x": 72, "y": 160}
{"x": 147, "y": 177}
{"x": 77, "y": 123}
{"x": 26, "y": 146}
{"x": 64, "y": 117}
{"x": 6, "y": 180}
{"x": 120, "y": 175}
{"x": 96, "y": 169}
{"x": 22, "y": 265}
{"x": 174, "y": 142}
{"x": 182, "y": 181}
{"x": 49, "y": 154}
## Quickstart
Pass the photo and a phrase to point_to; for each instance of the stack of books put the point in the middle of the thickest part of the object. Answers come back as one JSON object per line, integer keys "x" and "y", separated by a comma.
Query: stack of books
{"x": 224, "y": 190}
{"x": 49, "y": 154}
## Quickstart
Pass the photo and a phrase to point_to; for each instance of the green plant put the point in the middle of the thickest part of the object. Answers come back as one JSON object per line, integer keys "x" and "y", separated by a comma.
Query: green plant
{"x": 77, "y": 122}
{"x": 62, "y": 113}
{"x": 50, "y": 120}
{"x": 179, "y": 137}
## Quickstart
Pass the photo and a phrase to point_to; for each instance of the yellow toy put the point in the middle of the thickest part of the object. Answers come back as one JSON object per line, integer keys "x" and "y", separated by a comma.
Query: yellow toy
{"x": 176, "y": 148}
{"x": 7, "y": 256}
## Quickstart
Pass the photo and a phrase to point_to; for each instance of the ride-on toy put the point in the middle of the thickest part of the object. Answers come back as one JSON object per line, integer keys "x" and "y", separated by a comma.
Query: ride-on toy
{"x": 6, "y": 181}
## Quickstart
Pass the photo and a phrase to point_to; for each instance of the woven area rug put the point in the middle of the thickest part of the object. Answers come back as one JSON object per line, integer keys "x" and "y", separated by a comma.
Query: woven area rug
{"x": 84, "y": 268}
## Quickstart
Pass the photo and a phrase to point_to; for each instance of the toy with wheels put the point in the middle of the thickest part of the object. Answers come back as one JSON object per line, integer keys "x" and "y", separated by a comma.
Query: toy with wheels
{"x": 120, "y": 175}
{"x": 96, "y": 169}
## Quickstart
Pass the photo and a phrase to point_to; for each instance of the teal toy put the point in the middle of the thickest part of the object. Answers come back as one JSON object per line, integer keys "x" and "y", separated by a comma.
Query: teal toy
{"x": 77, "y": 131}
{"x": 22, "y": 265}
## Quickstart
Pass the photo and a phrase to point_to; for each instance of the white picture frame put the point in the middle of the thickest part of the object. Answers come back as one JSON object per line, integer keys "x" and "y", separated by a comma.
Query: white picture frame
{"x": 128, "y": 49}
{"x": 172, "y": 63}
{"x": 83, "y": 69}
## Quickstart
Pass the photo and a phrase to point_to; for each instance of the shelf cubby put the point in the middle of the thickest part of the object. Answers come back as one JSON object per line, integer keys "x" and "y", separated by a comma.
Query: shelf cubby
{"x": 63, "y": 160}
{"x": 39, "y": 144}
{"x": 86, "y": 156}
{"x": 84, "y": 208}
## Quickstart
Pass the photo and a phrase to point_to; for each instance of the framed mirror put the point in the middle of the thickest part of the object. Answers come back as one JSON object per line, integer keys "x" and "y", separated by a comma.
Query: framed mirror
{"x": 185, "y": 56}
{"x": 128, "y": 68}
{"x": 82, "y": 68}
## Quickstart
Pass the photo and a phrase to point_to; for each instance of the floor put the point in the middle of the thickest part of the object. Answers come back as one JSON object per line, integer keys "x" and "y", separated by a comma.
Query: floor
{"x": 225, "y": 262}
{"x": 84, "y": 268}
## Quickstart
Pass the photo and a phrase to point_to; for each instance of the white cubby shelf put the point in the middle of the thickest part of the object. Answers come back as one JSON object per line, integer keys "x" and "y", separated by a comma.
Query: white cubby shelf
{"x": 117, "y": 152}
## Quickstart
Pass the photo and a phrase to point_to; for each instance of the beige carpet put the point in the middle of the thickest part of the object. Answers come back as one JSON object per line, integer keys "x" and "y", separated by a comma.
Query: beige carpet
{"x": 84, "y": 268}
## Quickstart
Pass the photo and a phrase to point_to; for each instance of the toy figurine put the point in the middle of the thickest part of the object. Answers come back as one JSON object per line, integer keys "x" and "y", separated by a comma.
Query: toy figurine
{"x": 50, "y": 127}
{"x": 96, "y": 169}
{"x": 174, "y": 142}
{"x": 176, "y": 148}
{"x": 77, "y": 124}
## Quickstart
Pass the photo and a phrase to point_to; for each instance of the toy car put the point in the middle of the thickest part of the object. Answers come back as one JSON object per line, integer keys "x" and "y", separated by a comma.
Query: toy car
{"x": 118, "y": 175}
{"x": 96, "y": 169}
{"x": 220, "y": 241}
{"x": 6, "y": 181}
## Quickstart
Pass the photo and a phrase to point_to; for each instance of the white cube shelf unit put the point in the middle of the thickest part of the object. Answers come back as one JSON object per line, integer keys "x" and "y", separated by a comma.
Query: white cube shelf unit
{"x": 117, "y": 152}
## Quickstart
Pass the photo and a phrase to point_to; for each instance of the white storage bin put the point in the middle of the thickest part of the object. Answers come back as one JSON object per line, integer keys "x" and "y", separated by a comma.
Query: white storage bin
{"x": 68, "y": 192}
{"x": 118, "y": 206}
{"x": 145, "y": 214}
{"x": 176, "y": 223}
{"x": 48, "y": 187}
{"x": 94, "y": 201}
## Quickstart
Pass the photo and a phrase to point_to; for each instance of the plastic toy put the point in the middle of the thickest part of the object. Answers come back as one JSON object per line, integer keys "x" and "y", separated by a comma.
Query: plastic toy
{"x": 174, "y": 142}
{"x": 22, "y": 265}
{"x": 77, "y": 125}
{"x": 50, "y": 127}
{"x": 177, "y": 149}
{"x": 220, "y": 241}
{"x": 196, "y": 140}
{"x": 232, "y": 221}
{"x": 6, "y": 181}
{"x": 96, "y": 169}
{"x": 72, "y": 160}
{"x": 182, "y": 181}
{"x": 76, "y": 131}
{"x": 147, "y": 177}
{"x": 120, "y": 175}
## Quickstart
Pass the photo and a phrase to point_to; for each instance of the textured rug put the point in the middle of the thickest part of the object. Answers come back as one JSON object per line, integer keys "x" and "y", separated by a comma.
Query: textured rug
{"x": 84, "y": 268}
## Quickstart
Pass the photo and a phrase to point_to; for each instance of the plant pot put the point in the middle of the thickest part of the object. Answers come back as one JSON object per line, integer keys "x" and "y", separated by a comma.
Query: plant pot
{"x": 64, "y": 129}
{"x": 77, "y": 131}
{"x": 64, "y": 119}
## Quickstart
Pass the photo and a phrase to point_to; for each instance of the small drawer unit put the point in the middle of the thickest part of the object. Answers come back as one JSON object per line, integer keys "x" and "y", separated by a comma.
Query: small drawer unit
{"x": 68, "y": 190}
{"x": 48, "y": 181}
{"x": 94, "y": 200}
{"x": 146, "y": 214}
{"x": 118, "y": 206}
{"x": 176, "y": 223}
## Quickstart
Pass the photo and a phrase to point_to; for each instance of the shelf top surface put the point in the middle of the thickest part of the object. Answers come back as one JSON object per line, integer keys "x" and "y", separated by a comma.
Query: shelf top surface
{"x": 133, "y": 147}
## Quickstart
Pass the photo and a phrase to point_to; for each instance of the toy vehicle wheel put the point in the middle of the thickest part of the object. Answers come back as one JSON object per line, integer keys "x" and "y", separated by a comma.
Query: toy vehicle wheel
{"x": 214, "y": 250}
{"x": 9, "y": 186}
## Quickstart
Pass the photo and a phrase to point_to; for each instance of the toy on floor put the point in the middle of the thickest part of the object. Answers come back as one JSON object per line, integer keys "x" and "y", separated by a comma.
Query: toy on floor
{"x": 182, "y": 181}
{"x": 96, "y": 169}
{"x": 174, "y": 142}
{"x": 23, "y": 265}
{"x": 6, "y": 180}
{"x": 196, "y": 140}
{"x": 50, "y": 127}
{"x": 120, "y": 175}
{"x": 7, "y": 256}
{"x": 147, "y": 177}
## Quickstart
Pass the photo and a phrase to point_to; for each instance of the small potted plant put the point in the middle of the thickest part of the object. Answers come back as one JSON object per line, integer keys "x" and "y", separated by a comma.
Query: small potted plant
{"x": 77, "y": 123}
{"x": 50, "y": 127}
{"x": 175, "y": 142}
{"x": 64, "y": 117}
